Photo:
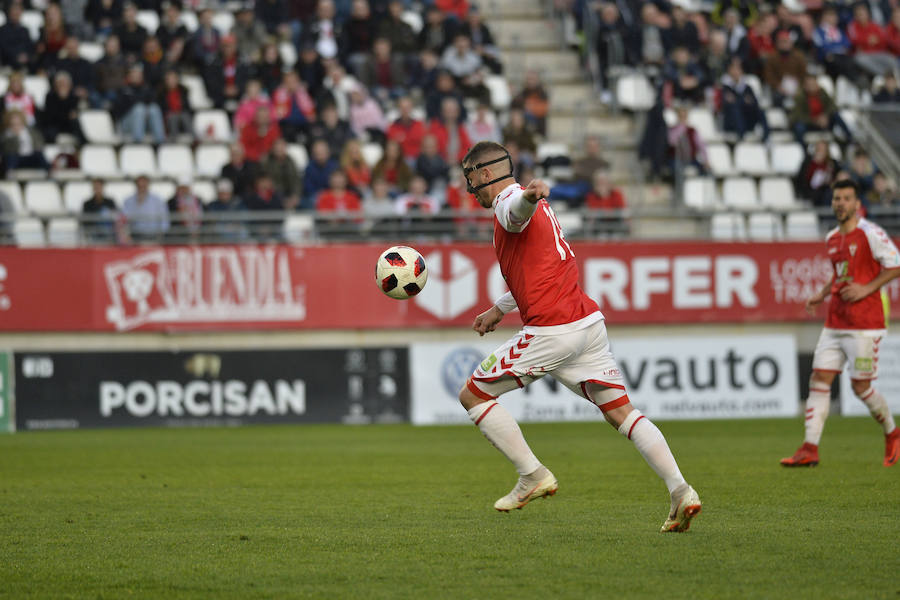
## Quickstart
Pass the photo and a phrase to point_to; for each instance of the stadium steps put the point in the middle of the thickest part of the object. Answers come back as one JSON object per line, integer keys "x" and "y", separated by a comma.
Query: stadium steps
{"x": 569, "y": 127}
{"x": 526, "y": 33}
{"x": 505, "y": 9}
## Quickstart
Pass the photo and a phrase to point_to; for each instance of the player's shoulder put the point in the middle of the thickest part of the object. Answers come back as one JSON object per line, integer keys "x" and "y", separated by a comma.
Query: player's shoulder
{"x": 832, "y": 233}
{"x": 511, "y": 191}
{"x": 872, "y": 230}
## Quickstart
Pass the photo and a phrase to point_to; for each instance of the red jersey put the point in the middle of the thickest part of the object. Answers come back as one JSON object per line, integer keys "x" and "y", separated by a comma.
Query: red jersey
{"x": 538, "y": 265}
{"x": 858, "y": 256}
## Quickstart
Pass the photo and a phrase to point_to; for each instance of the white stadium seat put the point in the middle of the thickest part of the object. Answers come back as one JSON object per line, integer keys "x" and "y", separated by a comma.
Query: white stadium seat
{"x": 63, "y": 232}
{"x": 802, "y": 226}
{"x": 751, "y": 158}
{"x": 43, "y": 198}
{"x": 99, "y": 160}
{"x": 777, "y": 192}
{"x": 74, "y": 195}
{"x": 547, "y": 150}
{"x": 298, "y": 154}
{"x": 740, "y": 192}
{"x": 197, "y": 96}
{"x": 499, "y": 89}
{"x": 90, "y": 51}
{"x": 212, "y": 126}
{"x": 764, "y": 227}
{"x": 189, "y": 20}
{"x": 846, "y": 93}
{"x": 719, "y": 156}
{"x": 119, "y": 191}
{"x": 210, "y": 158}
{"x": 37, "y": 86}
{"x": 727, "y": 227}
{"x": 787, "y": 158}
{"x": 33, "y": 21}
{"x": 777, "y": 119}
{"x": 205, "y": 190}
{"x": 175, "y": 160}
{"x": 4, "y": 82}
{"x": 372, "y": 153}
{"x": 827, "y": 84}
{"x": 29, "y": 232}
{"x": 413, "y": 19}
{"x": 288, "y": 54}
{"x": 162, "y": 188}
{"x": 138, "y": 159}
{"x": 700, "y": 193}
{"x": 223, "y": 21}
{"x": 14, "y": 191}
{"x": 98, "y": 127}
{"x": 703, "y": 121}
{"x": 634, "y": 92}
{"x": 298, "y": 228}
{"x": 149, "y": 20}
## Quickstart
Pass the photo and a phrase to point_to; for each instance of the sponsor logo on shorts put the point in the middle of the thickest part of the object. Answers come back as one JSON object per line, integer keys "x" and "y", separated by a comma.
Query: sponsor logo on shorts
{"x": 612, "y": 373}
{"x": 863, "y": 364}
{"x": 489, "y": 362}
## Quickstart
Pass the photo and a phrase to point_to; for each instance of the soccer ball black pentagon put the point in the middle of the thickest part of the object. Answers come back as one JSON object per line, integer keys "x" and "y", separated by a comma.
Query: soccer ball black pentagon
{"x": 400, "y": 272}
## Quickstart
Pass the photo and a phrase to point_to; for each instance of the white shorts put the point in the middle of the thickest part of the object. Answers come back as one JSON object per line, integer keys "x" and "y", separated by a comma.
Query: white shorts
{"x": 575, "y": 359}
{"x": 859, "y": 347}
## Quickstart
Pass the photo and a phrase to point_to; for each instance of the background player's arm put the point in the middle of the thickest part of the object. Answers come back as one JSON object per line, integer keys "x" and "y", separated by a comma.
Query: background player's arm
{"x": 819, "y": 297}
{"x": 489, "y": 319}
{"x": 854, "y": 292}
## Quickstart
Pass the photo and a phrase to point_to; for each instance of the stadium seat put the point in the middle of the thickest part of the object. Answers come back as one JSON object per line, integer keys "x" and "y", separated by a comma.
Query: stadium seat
{"x": 547, "y": 150}
{"x": 634, "y": 92}
{"x": 700, "y": 193}
{"x": 298, "y": 153}
{"x": 414, "y": 20}
{"x": 372, "y": 153}
{"x": 63, "y": 232}
{"x": 99, "y": 160}
{"x": 175, "y": 160}
{"x": 802, "y": 226}
{"x": 501, "y": 97}
{"x": 777, "y": 192}
{"x": 205, "y": 190}
{"x": 288, "y": 54}
{"x": 764, "y": 227}
{"x": 74, "y": 195}
{"x": 149, "y": 20}
{"x": 827, "y": 84}
{"x": 777, "y": 119}
{"x": 98, "y": 127}
{"x": 90, "y": 51}
{"x": 138, "y": 159}
{"x": 727, "y": 227}
{"x": 119, "y": 191}
{"x": 37, "y": 86}
{"x": 845, "y": 93}
{"x": 786, "y": 158}
{"x": 719, "y": 156}
{"x": 212, "y": 126}
{"x": 740, "y": 192}
{"x": 210, "y": 158}
{"x": 756, "y": 85}
{"x": 43, "y": 198}
{"x": 189, "y": 20}
{"x": 4, "y": 83}
{"x": 33, "y": 21}
{"x": 298, "y": 228}
{"x": 703, "y": 121}
{"x": 14, "y": 191}
{"x": 197, "y": 97}
{"x": 571, "y": 222}
{"x": 751, "y": 158}
{"x": 163, "y": 188}
{"x": 223, "y": 21}
{"x": 29, "y": 232}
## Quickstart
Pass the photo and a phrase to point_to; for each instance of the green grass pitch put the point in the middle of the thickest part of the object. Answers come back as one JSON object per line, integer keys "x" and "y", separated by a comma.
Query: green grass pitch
{"x": 404, "y": 512}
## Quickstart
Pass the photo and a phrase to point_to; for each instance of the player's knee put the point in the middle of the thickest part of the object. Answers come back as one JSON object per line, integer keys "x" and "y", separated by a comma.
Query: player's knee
{"x": 468, "y": 399}
{"x": 821, "y": 379}
{"x": 860, "y": 386}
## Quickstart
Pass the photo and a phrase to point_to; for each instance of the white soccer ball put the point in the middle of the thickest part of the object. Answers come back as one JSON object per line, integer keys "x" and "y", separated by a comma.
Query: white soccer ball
{"x": 400, "y": 272}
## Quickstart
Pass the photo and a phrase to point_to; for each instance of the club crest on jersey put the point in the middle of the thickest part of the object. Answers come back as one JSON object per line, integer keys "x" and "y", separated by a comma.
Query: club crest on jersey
{"x": 852, "y": 249}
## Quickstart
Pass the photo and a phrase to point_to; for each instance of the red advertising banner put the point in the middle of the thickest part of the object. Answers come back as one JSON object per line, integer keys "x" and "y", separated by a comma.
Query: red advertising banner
{"x": 184, "y": 288}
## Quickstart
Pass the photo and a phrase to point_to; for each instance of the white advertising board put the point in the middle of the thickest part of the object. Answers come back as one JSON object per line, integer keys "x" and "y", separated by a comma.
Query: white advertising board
{"x": 671, "y": 378}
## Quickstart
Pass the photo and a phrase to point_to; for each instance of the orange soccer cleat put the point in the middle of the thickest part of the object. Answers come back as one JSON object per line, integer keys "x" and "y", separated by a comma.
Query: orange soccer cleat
{"x": 892, "y": 447}
{"x": 805, "y": 456}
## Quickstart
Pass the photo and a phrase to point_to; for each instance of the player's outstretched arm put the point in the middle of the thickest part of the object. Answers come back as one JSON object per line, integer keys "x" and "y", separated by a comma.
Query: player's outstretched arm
{"x": 854, "y": 292}
{"x": 488, "y": 320}
{"x": 536, "y": 191}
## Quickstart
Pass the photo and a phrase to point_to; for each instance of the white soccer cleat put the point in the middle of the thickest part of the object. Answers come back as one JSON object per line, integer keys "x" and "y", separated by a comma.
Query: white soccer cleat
{"x": 685, "y": 506}
{"x": 539, "y": 484}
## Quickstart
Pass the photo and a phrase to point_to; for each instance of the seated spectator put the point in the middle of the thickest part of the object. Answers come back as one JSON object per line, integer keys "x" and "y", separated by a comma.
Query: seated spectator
{"x": 16, "y": 47}
{"x": 294, "y": 108}
{"x": 226, "y": 76}
{"x": 73, "y": 13}
{"x": 652, "y": 34}
{"x": 385, "y": 73}
{"x": 715, "y": 57}
{"x": 603, "y": 196}
{"x": 430, "y": 165}
{"x": 275, "y": 17}
{"x": 482, "y": 40}
{"x": 336, "y": 88}
{"x": 318, "y": 171}
{"x": 253, "y": 99}
{"x": 110, "y": 73}
{"x": 783, "y": 71}
{"x": 762, "y": 39}
{"x": 240, "y": 172}
{"x": 437, "y": 31}
{"x": 203, "y": 45}
{"x": 337, "y": 197}
{"x": 309, "y": 68}
{"x": 136, "y": 107}
{"x": 17, "y": 99}
{"x": 417, "y": 200}
{"x": 455, "y": 9}
{"x": 736, "y": 35}
{"x": 258, "y": 136}
{"x": 814, "y": 110}
{"x": 862, "y": 171}
{"x": 741, "y": 112}
{"x": 888, "y": 93}
{"x": 470, "y": 220}
{"x": 61, "y": 109}
{"x": 331, "y": 128}
{"x": 423, "y": 74}
{"x": 173, "y": 100}
{"x": 405, "y": 130}
{"x": 130, "y": 33}
{"x": 869, "y": 43}
{"x": 186, "y": 213}
{"x": 22, "y": 145}
{"x": 452, "y": 137}
{"x": 102, "y": 15}
{"x": 99, "y": 213}
{"x": 534, "y": 101}
{"x": 816, "y": 174}
{"x": 683, "y": 78}
{"x": 464, "y": 64}
{"x": 686, "y": 146}
{"x": 397, "y": 31}
{"x": 683, "y": 31}
{"x": 393, "y": 169}
{"x": 265, "y": 198}
{"x": 270, "y": 68}
{"x": 286, "y": 177}
{"x": 51, "y": 39}
{"x": 170, "y": 26}
{"x": 323, "y": 30}
{"x": 366, "y": 117}
{"x": 892, "y": 33}
{"x": 355, "y": 167}
{"x": 883, "y": 193}
{"x": 517, "y": 131}
{"x": 589, "y": 162}
{"x": 66, "y": 158}
{"x": 249, "y": 34}
{"x": 833, "y": 48}
{"x": 798, "y": 25}
{"x": 79, "y": 69}
{"x": 483, "y": 125}
{"x": 154, "y": 63}
{"x": 357, "y": 37}
{"x": 223, "y": 215}
{"x": 146, "y": 213}
{"x": 444, "y": 87}
{"x": 613, "y": 44}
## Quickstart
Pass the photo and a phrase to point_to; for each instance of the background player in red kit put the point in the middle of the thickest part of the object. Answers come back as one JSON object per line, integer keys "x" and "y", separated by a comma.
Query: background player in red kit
{"x": 564, "y": 336}
{"x": 864, "y": 259}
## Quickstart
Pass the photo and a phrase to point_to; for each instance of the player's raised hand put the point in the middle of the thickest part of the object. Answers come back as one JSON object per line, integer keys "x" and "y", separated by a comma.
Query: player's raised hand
{"x": 536, "y": 190}
{"x": 488, "y": 320}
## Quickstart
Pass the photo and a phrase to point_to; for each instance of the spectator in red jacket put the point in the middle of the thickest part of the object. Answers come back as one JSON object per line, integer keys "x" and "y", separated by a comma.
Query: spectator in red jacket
{"x": 173, "y": 99}
{"x": 603, "y": 196}
{"x": 338, "y": 198}
{"x": 869, "y": 42}
{"x": 451, "y": 134}
{"x": 258, "y": 135}
{"x": 406, "y": 130}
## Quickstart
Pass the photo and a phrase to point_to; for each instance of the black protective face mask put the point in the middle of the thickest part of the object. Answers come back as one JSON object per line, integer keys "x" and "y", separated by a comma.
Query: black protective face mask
{"x": 472, "y": 189}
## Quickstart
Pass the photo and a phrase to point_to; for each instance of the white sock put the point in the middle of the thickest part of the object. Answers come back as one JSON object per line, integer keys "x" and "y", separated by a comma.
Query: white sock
{"x": 817, "y": 406}
{"x": 499, "y": 427}
{"x": 878, "y": 408}
{"x": 652, "y": 445}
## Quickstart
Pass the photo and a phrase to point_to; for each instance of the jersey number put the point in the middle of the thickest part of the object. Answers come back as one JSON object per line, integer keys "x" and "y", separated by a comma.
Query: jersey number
{"x": 558, "y": 235}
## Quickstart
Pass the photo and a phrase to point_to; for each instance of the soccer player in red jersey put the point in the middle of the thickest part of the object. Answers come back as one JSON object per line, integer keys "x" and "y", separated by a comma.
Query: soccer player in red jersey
{"x": 564, "y": 335}
{"x": 864, "y": 259}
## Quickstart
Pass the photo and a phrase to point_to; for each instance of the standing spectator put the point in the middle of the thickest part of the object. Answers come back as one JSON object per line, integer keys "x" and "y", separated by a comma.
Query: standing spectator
{"x": 519, "y": 133}
{"x": 366, "y": 116}
{"x": 226, "y": 75}
{"x": 52, "y": 38}
{"x": 336, "y": 132}
{"x": 98, "y": 224}
{"x": 888, "y": 93}
{"x": 103, "y": 15}
{"x": 431, "y": 165}
{"x": 146, "y": 213}
{"x": 130, "y": 33}
{"x": 784, "y": 71}
{"x": 397, "y": 31}
{"x": 16, "y": 48}
{"x": 136, "y": 107}
{"x": 741, "y": 111}
{"x": 869, "y": 42}
{"x": 453, "y": 140}
{"x": 687, "y": 147}
{"x": 249, "y": 34}
{"x": 357, "y": 37}
{"x": 282, "y": 170}
{"x": 815, "y": 176}
{"x": 482, "y": 40}
{"x": 16, "y": 98}
{"x": 22, "y": 145}
{"x": 258, "y": 136}
{"x": 483, "y": 125}
{"x": 254, "y": 98}
{"x": 323, "y": 30}
{"x": 465, "y": 65}
{"x": 61, "y": 109}
{"x": 186, "y": 211}
{"x": 814, "y": 110}
{"x": 437, "y": 31}
{"x": 203, "y": 46}
{"x": 170, "y": 27}
{"x": 270, "y": 68}
{"x": 173, "y": 100}
{"x": 385, "y": 73}
{"x": 833, "y": 47}
{"x": 240, "y": 172}
{"x": 309, "y": 68}
{"x": 406, "y": 130}
{"x": 534, "y": 101}
{"x": 393, "y": 169}
{"x": 265, "y": 198}
{"x": 417, "y": 200}
{"x": 79, "y": 69}
{"x": 355, "y": 167}
{"x": 318, "y": 172}
{"x": 223, "y": 213}
{"x": 110, "y": 73}
{"x": 294, "y": 108}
